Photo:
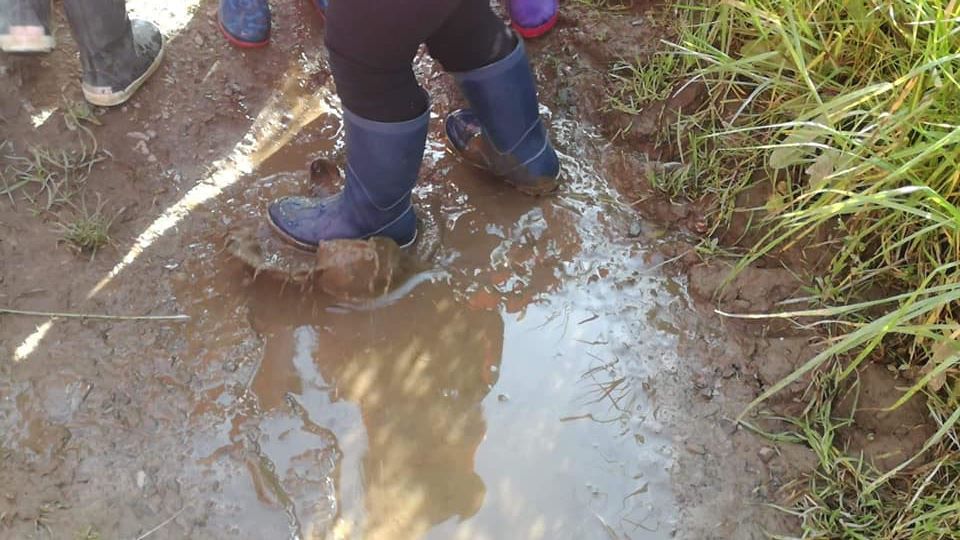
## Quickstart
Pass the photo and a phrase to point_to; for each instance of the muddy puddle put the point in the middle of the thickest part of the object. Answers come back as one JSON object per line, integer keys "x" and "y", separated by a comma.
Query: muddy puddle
{"x": 504, "y": 388}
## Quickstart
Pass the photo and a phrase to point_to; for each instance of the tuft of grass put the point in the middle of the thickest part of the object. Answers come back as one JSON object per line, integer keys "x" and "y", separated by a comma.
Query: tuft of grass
{"x": 847, "y": 113}
{"x": 89, "y": 229}
{"x": 606, "y": 5}
{"x": 845, "y": 497}
{"x": 638, "y": 84}
{"x": 90, "y": 533}
{"x": 47, "y": 177}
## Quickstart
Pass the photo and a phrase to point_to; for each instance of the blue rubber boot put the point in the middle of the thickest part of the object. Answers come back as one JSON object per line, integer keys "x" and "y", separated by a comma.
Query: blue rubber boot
{"x": 502, "y": 131}
{"x": 383, "y": 162}
{"x": 245, "y": 23}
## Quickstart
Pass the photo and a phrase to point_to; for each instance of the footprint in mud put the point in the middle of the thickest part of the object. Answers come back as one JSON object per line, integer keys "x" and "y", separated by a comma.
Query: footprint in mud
{"x": 344, "y": 269}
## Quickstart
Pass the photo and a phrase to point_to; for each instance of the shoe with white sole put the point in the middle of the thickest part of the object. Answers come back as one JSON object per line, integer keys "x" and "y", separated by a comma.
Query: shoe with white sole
{"x": 25, "y": 27}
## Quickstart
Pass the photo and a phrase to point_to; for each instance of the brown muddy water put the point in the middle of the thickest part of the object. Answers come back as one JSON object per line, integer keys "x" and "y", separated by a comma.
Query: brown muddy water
{"x": 499, "y": 390}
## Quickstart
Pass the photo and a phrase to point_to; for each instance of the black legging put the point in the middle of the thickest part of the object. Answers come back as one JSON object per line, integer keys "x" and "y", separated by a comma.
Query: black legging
{"x": 372, "y": 44}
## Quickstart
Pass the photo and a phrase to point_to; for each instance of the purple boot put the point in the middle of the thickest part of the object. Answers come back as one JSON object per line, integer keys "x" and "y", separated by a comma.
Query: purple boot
{"x": 533, "y": 18}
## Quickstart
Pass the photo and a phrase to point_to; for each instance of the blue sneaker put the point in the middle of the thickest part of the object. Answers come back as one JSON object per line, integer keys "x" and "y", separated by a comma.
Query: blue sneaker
{"x": 383, "y": 162}
{"x": 245, "y": 23}
{"x": 502, "y": 131}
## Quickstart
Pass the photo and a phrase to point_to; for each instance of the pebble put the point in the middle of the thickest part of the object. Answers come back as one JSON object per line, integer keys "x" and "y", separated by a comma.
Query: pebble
{"x": 141, "y": 479}
{"x": 766, "y": 454}
{"x": 635, "y": 230}
{"x": 695, "y": 448}
{"x": 503, "y": 398}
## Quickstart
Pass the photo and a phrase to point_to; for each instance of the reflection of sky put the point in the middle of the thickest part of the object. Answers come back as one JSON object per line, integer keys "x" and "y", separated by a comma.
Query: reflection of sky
{"x": 553, "y": 466}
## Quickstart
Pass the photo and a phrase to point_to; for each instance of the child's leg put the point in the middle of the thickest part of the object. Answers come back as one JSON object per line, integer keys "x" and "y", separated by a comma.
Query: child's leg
{"x": 471, "y": 37}
{"x": 372, "y": 44}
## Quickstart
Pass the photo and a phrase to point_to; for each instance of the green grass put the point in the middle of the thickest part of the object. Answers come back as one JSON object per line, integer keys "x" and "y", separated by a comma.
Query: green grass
{"x": 50, "y": 177}
{"x": 847, "y": 114}
{"x": 640, "y": 83}
{"x": 845, "y": 497}
{"x": 89, "y": 229}
{"x": 606, "y": 5}
{"x": 90, "y": 533}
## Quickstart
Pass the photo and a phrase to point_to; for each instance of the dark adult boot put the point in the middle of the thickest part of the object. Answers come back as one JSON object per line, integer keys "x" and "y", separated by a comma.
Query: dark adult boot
{"x": 25, "y": 26}
{"x": 118, "y": 55}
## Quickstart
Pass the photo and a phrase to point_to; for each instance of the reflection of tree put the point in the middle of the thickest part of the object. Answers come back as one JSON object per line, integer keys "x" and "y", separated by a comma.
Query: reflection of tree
{"x": 420, "y": 388}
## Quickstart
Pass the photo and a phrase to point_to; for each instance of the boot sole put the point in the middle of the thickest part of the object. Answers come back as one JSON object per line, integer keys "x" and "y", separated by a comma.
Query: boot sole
{"x": 536, "y": 31}
{"x": 240, "y": 43}
{"x": 12, "y": 44}
{"x": 119, "y": 98}
{"x": 303, "y": 246}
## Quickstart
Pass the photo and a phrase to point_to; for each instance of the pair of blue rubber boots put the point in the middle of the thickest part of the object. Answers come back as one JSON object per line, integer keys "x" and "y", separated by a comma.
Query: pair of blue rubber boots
{"x": 501, "y": 132}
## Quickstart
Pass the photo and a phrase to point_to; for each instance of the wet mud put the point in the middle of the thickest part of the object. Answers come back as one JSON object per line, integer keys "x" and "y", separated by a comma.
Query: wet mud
{"x": 530, "y": 369}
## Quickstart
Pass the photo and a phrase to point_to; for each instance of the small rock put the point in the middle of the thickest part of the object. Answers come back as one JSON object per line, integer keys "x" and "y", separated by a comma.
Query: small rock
{"x": 766, "y": 454}
{"x": 138, "y": 135}
{"x": 198, "y": 39}
{"x": 152, "y": 158}
{"x": 230, "y": 365}
{"x": 635, "y": 230}
{"x": 141, "y": 479}
{"x": 695, "y": 448}
{"x": 503, "y": 398}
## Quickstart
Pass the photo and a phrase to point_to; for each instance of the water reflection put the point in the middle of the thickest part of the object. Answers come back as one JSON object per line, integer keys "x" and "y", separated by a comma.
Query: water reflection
{"x": 467, "y": 406}
{"x": 418, "y": 370}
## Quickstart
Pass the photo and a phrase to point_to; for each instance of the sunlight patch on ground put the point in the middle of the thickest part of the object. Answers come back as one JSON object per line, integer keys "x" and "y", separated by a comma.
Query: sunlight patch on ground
{"x": 171, "y": 16}
{"x": 40, "y": 117}
{"x": 32, "y": 341}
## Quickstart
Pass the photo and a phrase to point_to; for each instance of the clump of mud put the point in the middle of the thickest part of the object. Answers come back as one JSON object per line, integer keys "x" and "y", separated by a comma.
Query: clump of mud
{"x": 344, "y": 269}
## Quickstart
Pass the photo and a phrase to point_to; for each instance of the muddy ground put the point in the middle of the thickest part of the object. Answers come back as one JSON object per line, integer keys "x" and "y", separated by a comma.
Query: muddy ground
{"x": 544, "y": 369}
